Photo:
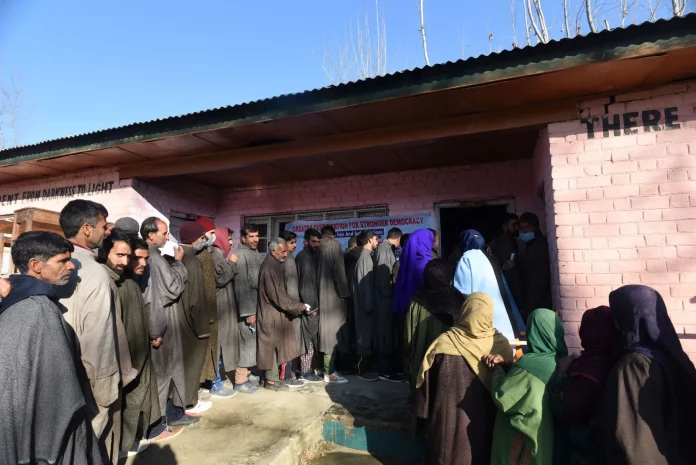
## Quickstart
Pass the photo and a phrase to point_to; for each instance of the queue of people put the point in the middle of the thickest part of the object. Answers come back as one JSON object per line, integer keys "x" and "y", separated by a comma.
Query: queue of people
{"x": 628, "y": 398}
{"x": 139, "y": 335}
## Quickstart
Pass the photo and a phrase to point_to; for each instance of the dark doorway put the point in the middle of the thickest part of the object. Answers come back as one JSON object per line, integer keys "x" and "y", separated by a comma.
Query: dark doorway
{"x": 453, "y": 220}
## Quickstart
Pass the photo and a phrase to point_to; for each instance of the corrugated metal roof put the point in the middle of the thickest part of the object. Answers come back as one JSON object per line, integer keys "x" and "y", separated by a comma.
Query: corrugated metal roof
{"x": 604, "y": 46}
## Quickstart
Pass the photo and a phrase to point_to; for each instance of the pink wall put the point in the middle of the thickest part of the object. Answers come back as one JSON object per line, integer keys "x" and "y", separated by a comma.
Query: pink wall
{"x": 625, "y": 204}
{"x": 405, "y": 192}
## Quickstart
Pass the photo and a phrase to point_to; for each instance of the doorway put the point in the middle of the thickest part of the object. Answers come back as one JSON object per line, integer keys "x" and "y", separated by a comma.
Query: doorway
{"x": 485, "y": 217}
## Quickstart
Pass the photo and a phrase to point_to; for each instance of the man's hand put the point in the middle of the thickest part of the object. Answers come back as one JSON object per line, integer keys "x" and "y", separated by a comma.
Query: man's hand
{"x": 508, "y": 265}
{"x": 5, "y": 287}
{"x": 157, "y": 342}
{"x": 233, "y": 258}
{"x": 179, "y": 253}
{"x": 492, "y": 360}
{"x": 251, "y": 320}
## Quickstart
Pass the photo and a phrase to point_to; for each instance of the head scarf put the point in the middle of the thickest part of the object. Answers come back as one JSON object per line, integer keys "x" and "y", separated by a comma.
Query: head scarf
{"x": 641, "y": 314}
{"x": 437, "y": 295}
{"x": 473, "y": 337}
{"x": 24, "y": 286}
{"x": 207, "y": 224}
{"x": 546, "y": 342}
{"x": 471, "y": 239}
{"x": 416, "y": 255}
{"x": 222, "y": 240}
{"x": 190, "y": 232}
{"x": 599, "y": 338}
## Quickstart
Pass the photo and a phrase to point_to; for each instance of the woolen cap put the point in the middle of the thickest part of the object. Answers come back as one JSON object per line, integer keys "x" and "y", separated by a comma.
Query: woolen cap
{"x": 206, "y": 223}
{"x": 190, "y": 232}
{"x": 127, "y": 224}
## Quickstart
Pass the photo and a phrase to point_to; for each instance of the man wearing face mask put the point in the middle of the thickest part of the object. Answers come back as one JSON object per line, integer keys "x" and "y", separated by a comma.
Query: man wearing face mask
{"x": 212, "y": 354}
{"x": 533, "y": 264}
{"x": 194, "y": 317}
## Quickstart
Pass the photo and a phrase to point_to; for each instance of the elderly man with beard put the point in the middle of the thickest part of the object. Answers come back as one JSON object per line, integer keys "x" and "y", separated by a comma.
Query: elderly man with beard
{"x": 309, "y": 293}
{"x": 44, "y": 413}
{"x": 194, "y": 319}
{"x": 164, "y": 284}
{"x": 89, "y": 301}
{"x": 277, "y": 342}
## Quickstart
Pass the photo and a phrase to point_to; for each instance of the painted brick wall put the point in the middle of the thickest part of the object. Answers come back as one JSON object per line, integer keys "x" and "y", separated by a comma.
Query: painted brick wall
{"x": 625, "y": 202}
{"x": 117, "y": 201}
{"x": 405, "y": 192}
{"x": 128, "y": 197}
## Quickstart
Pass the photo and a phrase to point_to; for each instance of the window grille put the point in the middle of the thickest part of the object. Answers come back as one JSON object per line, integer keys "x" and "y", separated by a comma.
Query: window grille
{"x": 275, "y": 223}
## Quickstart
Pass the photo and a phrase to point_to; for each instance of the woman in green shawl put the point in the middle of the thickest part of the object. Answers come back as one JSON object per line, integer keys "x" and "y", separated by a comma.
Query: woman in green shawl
{"x": 524, "y": 426}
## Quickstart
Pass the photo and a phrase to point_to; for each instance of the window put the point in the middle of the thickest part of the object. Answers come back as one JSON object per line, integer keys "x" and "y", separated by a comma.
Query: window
{"x": 276, "y": 223}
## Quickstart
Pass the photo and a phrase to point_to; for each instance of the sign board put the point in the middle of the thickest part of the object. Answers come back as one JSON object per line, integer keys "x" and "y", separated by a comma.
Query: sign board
{"x": 349, "y": 227}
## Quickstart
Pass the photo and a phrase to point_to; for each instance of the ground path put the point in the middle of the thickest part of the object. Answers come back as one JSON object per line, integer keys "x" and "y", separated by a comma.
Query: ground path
{"x": 280, "y": 428}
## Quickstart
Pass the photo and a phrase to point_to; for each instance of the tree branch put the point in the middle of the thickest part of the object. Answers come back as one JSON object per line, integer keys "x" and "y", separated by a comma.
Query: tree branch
{"x": 588, "y": 12}
{"x": 422, "y": 31}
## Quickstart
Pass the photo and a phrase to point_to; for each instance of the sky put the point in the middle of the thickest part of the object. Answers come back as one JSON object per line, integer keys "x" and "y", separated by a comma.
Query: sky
{"x": 85, "y": 65}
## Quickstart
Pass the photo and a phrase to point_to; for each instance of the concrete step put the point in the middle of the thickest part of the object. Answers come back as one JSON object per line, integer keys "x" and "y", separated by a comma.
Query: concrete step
{"x": 337, "y": 455}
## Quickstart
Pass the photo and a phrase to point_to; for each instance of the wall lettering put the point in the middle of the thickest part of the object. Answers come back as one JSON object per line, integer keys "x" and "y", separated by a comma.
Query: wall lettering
{"x": 628, "y": 123}
{"x": 101, "y": 187}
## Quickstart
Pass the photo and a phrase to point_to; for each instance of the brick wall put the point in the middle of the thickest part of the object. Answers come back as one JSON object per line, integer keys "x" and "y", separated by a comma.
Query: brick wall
{"x": 624, "y": 194}
{"x": 405, "y": 192}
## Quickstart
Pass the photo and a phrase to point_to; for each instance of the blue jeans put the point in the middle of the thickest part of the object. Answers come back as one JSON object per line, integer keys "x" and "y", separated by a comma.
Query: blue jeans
{"x": 217, "y": 384}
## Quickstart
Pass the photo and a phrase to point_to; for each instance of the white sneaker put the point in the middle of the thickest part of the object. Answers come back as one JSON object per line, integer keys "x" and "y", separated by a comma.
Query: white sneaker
{"x": 201, "y": 406}
{"x": 142, "y": 445}
{"x": 335, "y": 378}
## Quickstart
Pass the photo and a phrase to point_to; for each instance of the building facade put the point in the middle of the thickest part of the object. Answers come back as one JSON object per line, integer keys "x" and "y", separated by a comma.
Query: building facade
{"x": 608, "y": 165}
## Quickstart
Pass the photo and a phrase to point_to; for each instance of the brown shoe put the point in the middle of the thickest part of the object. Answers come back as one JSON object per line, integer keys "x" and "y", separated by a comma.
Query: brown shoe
{"x": 168, "y": 433}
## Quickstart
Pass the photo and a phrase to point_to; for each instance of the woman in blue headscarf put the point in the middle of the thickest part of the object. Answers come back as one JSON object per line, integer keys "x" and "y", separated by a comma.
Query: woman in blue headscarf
{"x": 416, "y": 255}
{"x": 478, "y": 271}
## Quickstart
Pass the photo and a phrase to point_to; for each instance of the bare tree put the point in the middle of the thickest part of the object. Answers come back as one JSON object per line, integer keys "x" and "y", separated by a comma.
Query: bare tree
{"x": 526, "y": 22}
{"x": 588, "y": 12}
{"x": 678, "y": 7}
{"x": 513, "y": 21}
{"x": 653, "y": 9}
{"x": 540, "y": 29}
{"x": 9, "y": 106}
{"x": 624, "y": 7}
{"x": 565, "y": 18}
{"x": 360, "y": 56}
{"x": 422, "y": 31}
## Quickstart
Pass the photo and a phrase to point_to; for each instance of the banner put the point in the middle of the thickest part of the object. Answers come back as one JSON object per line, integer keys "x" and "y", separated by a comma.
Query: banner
{"x": 349, "y": 227}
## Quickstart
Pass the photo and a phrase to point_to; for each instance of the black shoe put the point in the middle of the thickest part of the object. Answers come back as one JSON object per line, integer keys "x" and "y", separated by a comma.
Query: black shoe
{"x": 277, "y": 386}
{"x": 368, "y": 376}
{"x": 394, "y": 378}
{"x": 186, "y": 420}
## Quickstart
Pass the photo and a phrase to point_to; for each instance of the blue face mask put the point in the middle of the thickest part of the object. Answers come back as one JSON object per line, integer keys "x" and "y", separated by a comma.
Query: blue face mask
{"x": 527, "y": 236}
